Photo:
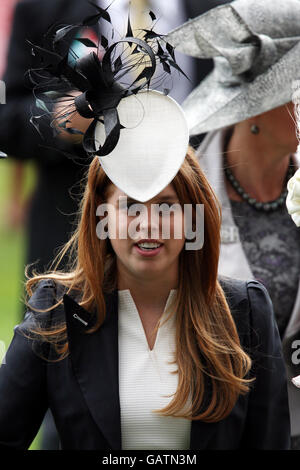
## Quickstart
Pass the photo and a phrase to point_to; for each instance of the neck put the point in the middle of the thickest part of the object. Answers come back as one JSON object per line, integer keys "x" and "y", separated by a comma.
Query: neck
{"x": 149, "y": 294}
{"x": 258, "y": 162}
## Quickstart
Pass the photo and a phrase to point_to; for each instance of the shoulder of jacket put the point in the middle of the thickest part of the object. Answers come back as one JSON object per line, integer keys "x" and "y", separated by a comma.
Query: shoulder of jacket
{"x": 262, "y": 313}
{"x": 249, "y": 303}
{"x": 245, "y": 298}
{"x": 237, "y": 290}
{"x": 46, "y": 293}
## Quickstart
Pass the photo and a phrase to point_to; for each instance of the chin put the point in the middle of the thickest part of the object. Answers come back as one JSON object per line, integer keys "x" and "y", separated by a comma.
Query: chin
{"x": 149, "y": 272}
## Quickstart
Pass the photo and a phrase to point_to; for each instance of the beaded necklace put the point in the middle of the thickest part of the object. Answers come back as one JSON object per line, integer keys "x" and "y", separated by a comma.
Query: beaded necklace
{"x": 260, "y": 206}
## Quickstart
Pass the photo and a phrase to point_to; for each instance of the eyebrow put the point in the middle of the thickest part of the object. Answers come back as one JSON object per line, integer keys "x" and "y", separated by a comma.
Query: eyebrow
{"x": 166, "y": 198}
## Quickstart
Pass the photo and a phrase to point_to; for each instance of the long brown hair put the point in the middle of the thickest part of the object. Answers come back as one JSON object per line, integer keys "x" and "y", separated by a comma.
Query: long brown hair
{"x": 207, "y": 342}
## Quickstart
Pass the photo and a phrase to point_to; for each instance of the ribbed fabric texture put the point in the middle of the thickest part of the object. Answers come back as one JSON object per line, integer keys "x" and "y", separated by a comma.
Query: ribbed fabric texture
{"x": 145, "y": 380}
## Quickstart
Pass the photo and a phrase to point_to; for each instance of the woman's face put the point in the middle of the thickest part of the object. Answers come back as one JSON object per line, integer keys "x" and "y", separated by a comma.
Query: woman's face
{"x": 279, "y": 125}
{"x": 147, "y": 242}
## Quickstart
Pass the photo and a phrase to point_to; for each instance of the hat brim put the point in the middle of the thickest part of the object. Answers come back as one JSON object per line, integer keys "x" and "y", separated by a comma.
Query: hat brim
{"x": 213, "y": 105}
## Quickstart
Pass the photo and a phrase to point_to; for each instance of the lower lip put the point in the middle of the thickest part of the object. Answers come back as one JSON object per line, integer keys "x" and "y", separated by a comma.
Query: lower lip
{"x": 148, "y": 253}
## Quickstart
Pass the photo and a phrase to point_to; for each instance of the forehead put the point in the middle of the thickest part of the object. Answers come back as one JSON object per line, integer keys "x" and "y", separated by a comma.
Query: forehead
{"x": 114, "y": 193}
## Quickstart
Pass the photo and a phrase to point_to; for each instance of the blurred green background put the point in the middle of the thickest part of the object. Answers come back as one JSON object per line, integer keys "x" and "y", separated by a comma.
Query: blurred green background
{"x": 12, "y": 252}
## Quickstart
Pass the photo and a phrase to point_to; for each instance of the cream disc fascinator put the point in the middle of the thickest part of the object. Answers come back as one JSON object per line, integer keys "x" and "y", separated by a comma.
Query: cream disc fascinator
{"x": 255, "y": 45}
{"x": 152, "y": 145}
{"x": 140, "y": 135}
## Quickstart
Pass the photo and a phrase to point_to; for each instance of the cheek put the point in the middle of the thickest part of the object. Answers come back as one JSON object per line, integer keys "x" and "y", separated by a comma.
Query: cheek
{"x": 176, "y": 246}
{"x": 117, "y": 246}
{"x": 118, "y": 233}
{"x": 178, "y": 224}
{"x": 176, "y": 227}
{"x": 177, "y": 239}
{"x": 118, "y": 224}
{"x": 173, "y": 248}
{"x": 288, "y": 124}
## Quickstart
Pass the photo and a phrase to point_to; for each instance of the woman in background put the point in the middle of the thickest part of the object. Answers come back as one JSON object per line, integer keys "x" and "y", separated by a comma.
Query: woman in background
{"x": 248, "y": 155}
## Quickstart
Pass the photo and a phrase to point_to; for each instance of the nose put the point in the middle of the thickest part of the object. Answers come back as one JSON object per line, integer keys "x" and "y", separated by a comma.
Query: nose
{"x": 148, "y": 224}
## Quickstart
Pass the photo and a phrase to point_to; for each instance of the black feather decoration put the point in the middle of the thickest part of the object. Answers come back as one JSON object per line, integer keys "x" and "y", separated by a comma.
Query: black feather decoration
{"x": 170, "y": 49}
{"x": 94, "y": 86}
{"x": 103, "y": 42}
{"x": 103, "y": 12}
{"x": 152, "y": 15}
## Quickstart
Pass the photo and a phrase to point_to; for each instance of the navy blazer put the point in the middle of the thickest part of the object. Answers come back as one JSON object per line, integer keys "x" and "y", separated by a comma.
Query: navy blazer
{"x": 82, "y": 390}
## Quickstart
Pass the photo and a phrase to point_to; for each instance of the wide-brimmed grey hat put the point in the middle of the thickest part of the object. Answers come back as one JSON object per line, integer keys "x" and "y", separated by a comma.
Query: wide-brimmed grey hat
{"x": 255, "y": 45}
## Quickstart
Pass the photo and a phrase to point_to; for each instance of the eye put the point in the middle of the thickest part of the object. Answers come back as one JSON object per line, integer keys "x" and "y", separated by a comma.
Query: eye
{"x": 167, "y": 207}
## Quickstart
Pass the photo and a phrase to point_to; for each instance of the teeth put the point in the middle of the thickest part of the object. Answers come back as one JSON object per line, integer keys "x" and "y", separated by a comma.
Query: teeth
{"x": 148, "y": 245}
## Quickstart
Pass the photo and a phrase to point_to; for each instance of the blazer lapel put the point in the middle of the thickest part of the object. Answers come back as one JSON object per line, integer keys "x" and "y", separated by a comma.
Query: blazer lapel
{"x": 94, "y": 358}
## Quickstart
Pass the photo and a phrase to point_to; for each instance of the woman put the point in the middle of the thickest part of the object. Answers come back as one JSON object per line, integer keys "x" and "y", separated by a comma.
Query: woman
{"x": 248, "y": 154}
{"x": 67, "y": 356}
{"x": 138, "y": 345}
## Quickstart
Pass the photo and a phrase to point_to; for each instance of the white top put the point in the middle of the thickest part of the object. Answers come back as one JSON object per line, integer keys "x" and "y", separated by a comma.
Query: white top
{"x": 145, "y": 381}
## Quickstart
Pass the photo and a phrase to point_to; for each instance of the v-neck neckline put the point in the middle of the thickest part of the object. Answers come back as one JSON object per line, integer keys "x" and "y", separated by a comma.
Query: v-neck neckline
{"x": 126, "y": 296}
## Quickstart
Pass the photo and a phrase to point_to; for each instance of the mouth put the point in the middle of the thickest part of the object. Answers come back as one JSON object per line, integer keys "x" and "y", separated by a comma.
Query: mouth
{"x": 148, "y": 247}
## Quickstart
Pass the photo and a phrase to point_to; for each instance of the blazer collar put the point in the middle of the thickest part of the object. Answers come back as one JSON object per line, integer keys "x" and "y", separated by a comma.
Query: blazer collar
{"x": 95, "y": 361}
